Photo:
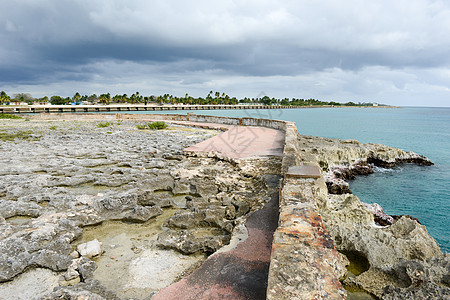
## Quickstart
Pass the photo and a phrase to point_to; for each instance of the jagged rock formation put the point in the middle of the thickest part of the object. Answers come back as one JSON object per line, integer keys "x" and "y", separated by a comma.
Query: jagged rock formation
{"x": 341, "y": 160}
{"x": 352, "y": 226}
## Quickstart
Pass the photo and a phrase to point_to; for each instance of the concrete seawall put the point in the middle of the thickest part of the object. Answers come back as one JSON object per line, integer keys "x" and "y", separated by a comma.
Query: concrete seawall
{"x": 304, "y": 262}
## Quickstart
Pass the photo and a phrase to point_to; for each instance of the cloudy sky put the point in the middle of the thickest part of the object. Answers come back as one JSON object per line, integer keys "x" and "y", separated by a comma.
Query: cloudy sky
{"x": 395, "y": 52}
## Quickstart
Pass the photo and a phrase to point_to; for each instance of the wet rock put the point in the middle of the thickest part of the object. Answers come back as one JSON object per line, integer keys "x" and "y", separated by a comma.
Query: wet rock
{"x": 124, "y": 207}
{"x": 90, "y": 249}
{"x": 337, "y": 186}
{"x": 149, "y": 198}
{"x": 380, "y": 217}
{"x": 188, "y": 242}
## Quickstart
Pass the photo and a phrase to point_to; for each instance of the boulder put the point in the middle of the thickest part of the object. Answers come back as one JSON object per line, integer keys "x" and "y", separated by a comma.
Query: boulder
{"x": 90, "y": 249}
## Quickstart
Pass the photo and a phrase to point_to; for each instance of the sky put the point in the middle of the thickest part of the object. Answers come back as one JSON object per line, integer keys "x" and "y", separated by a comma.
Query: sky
{"x": 393, "y": 52}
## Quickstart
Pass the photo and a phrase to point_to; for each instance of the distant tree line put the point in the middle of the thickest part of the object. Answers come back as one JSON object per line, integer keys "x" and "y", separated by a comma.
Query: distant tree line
{"x": 212, "y": 98}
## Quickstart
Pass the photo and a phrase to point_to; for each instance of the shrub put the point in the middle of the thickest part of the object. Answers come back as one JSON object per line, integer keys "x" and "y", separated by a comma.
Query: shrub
{"x": 157, "y": 125}
{"x": 8, "y": 116}
{"x": 21, "y": 134}
{"x": 104, "y": 124}
{"x": 154, "y": 125}
{"x": 141, "y": 126}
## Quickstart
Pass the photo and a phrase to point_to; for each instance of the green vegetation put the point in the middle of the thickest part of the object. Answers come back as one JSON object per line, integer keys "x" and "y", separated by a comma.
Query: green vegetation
{"x": 21, "y": 134}
{"x": 152, "y": 125}
{"x": 104, "y": 124}
{"x": 4, "y": 98}
{"x": 52, "y": 127}
{"x": 212, "y": 98}
{"x": 157, "y": 125}
{"x": 8, "y": 116}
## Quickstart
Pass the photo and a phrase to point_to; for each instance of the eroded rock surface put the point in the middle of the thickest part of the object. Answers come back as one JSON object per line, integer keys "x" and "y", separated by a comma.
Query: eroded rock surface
{"x": 67, "y": 177}
{"x": 398, "y": 255}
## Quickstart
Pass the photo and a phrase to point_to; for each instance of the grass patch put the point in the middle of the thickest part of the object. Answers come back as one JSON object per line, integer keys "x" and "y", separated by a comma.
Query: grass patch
{"x": 157, "y": 125}
{"x": 52, "y": 127}
{"x": 21, "y": 135}
{"x": 153, "y": 125}
{"x": 104, "y": 124}
{"x": 9, "y": 116}
{"x": 142, "y": 126}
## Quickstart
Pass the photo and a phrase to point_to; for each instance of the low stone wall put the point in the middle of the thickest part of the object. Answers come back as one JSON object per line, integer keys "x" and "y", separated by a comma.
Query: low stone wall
{"x": 304, "y": 262}
{"x": 275, "y": 124}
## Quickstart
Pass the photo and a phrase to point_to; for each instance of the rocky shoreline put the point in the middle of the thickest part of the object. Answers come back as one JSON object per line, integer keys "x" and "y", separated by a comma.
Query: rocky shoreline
{"x": 394, "y": 256}
{"x": 89, "y": 208}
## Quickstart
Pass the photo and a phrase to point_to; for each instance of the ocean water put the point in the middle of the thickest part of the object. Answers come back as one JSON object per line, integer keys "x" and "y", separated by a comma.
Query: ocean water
{"x": 420, "y": 191}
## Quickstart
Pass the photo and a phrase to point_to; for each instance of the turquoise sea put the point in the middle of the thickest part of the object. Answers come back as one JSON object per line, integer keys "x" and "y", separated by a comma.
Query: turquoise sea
{"x": 419, "y": 191}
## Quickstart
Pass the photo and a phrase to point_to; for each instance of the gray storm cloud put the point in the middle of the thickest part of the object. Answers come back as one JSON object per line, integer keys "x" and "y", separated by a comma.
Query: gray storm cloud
{"x": 321, "y": 48}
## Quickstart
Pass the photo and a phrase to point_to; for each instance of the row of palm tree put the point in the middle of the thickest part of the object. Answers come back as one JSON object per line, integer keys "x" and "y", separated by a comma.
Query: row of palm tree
{"x": 212, "y": 98}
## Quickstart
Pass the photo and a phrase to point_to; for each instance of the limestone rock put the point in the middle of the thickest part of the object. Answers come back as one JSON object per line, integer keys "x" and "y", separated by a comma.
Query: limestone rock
{"x": 90, "y": 249}
{"x": 352, "y": 227}
{"x": 124, "y": 206}
{"x": 10, "y": 209}
{"x": 343, "y": 160}
{"x": 191, "y": 241}
{"x": 92, "y": 290}
{"x": 425, "y": 280}
{"x": 149, "y": 198}
{"x": 46, "y": 245}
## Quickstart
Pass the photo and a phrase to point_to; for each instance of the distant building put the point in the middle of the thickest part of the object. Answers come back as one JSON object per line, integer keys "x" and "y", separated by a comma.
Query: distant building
{"x": 375, "y": 104}
{"x": 17, "y": 103}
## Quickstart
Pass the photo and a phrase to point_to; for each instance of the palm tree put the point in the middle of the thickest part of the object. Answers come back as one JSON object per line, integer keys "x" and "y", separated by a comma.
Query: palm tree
{"x": 4, "y": 98}
{"x": 105, "y": 98}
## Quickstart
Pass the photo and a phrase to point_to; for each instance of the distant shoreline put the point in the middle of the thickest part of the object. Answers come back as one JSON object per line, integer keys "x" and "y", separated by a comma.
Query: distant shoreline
{"x": 13, "y": 109}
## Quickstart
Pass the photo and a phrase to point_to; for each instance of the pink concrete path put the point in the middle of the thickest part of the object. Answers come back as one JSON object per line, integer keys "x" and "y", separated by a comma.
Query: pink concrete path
{"x": 244, "y": 142}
